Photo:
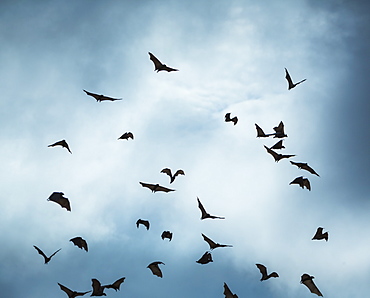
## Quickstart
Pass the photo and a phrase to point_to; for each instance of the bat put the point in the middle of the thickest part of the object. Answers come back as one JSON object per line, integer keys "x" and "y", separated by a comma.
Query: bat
{"x": 320, "y": 235}
{"x": 277, "y": 156}
{"x": 98, "y": 289}
{"x": 278, "y": 145}
{"x": 62, "y": 143}
{"x": 302, "y": 182}
{"x": 279, "y": 131}
{"x": 156, "y": 187}
{"x": 81, "y": 243}
{"x": 101, "y": 97}
{"x": 126, "y": 136}
{"x": 204, "y": 212}
{"x": 143, "y": 222}
{"x": 116, "y": 284}
{"x": 166, "y": 234}
{"x": 155, "y": 268}
{"x": 70, "y": 293}
{"x": 205, "y": 259}
{"x": 58, "y": 198}
{"x": 290, "y": 82}
{"x": 228, "y": 119}
{"x": 212, "y": 244}
{"x": 47, "y": 259}
{"x": 158, "y": 65}
{"x": 169, "y": 173}
{"x": 260, "y": 133}
{"x": 263, "y": 271}
{"x": 304, "y": 166}
{"x": 307, "y": 280}
{"x": 228, "y": 293}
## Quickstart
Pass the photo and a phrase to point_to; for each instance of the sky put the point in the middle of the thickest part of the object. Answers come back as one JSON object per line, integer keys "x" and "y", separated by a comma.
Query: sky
{"x": 231, "y": 57}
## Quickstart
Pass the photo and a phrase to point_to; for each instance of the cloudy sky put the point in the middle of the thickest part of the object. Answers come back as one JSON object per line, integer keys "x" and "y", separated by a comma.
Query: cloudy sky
{"x": 231, "y": 56}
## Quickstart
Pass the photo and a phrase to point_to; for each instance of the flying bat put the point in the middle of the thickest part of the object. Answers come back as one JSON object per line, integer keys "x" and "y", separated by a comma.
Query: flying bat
{"x": 155, "y": 268}
{"x": 228, "y": 119}
{"x": 205, "y": 259}
{"x": 81, "y": 243}
{"x": 279, "y": 131}
{"x": 116, "y": 284}
{"x": 98, "y": 289}
{"x": 166, "y": 234}
{"x": 307, "y": 280}
{"x": 263, "y": 271}
{"x": 47, "y": 259}
{"x": 126, "y": 136}
{"x": 228, "y": 293}
{"x": 204, "y": 212}
{"x": 156, "y": 187}
{"x": 260, "y": 132}
{"x": 58, "y": 198}
{"x": 320, "y": 235}
{"x": 290, "y": 82}
{"x": 169, "y": 173}
{"x": 304, "y": 166}
{"x": 70, "y": 293}
{"x": 101, "y": 97}
{"x": 159, "y": 65}
{"x": 212, "y": 244}
{"x": 143, "y": 222}
{"x": 62, "y": 143}
{"x": 278, "y": 145}
{"x": 302, "y": 182}
{"x": 277, "y": 156}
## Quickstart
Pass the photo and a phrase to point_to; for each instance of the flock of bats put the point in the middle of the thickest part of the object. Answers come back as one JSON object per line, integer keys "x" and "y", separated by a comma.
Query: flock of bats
{"x": 98, "y": 289}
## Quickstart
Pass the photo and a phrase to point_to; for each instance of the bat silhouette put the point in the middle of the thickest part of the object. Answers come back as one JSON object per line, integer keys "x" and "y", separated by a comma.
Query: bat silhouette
{"x": 304, "y": 166}
{"x": 143, "y": 222}
{"x": 126, "y": 136}
{"x": 307, "y": 280}
{"x": 277, "y": 156}
{"x": 278, "y": 145}
{"x": 156, "y": 187}
{"x": 263, "y": 271}
{"x": 81, "y": 243}
{"x": 70, "y": 293}
{"x": 47, "y": 259}
{"x": 155, "y": 268}
{"x": 205, "y": 259}
{"x": 320, "y": 235}
{"x": 260, "y": 132}
{"x": 58, "y": 198}
{"x": 204, "y": 212}
{"x": 279, "y": 131}
{"x": 302, "y": 182}
{"x": 101, "y": 97}
{"x": 158, "y": 65}
{"x": 116, "y": 284}
{"x": 98, "y": 289}
{"x": 228, "y": 119}
{"x": 228, "y": 293}
{"x": 62, "y": 143}
{"x": 169, "y": 173}
{"x": 290, "y": 82}
{"x": 212, "y": 244}
{"x": 166, "y": 234}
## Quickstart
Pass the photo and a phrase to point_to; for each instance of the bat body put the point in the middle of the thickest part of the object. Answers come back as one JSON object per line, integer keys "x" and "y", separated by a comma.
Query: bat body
{"x": 228, "y": 293}
{"x": 98, "y": 289}
{"x": 62, "y": 143}
{"x": 278, "y": 145}
{"x": 100, "y": 97}
{"x": 307, "y": 280}
{"x": 79, "y": 242}
{"x": 169, "y": 173}
{"x": 277, "y": 156}
{"x": 260, "y": 132}
{"x": 70, "y": 293}
{"x": 156, "y": 187}
{"x": 320, "y": 235}
{"x": 212, "y": 244}
{"x": 291, "y": 85}
{"x": 279, "y": 131}
{"x": 46, "y": 258}
{"x": 263, "y": 271}
{"x": 143, "y": 222}
{"x": 116, "y": 284}
{"x": 205, "y": 259}
{"x": 304, "y": 166}
{"x": 154, "y": 267}
{"x": 126, "y": 136}
{"x": 302, "y": 182}
{"x": 58, "y": 198}
{"x": 158, "y": 65}
{"x": 229, "y": 119}
{"x": 205, "y": 214}
{"x": 166, "y": 234}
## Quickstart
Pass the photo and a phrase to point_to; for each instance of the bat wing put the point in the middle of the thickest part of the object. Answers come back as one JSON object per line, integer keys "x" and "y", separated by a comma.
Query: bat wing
{"x": 278, "y": 145}
{"x": 116, "y": 285}
{"x": 228, "y": 293}
{"x": 58, "y": 198}
{"x": 205, "y": 259}
{"x": 165, "y": 67}
{"x": 227, "y": 117}
{"x": 155, "y": 268}
{"x": 69, "y": 292}
{"x": 40, "y": 252}
{"x": 307, "y": 280}
{"x": 260, "y": 132}
{"x": 204, "y": 212}
{"x": 289, "y": 79}
{"x": 52, "y": 255}
{"x": 279, "y": 128}
{"x": 273, "y": 153}
{"x": 103, "y": 97}
{"x": 263, "y": 270}
{"x": 162, "y": 188}
{"x": 178, "y": 172}
{"x": 306, "y": 183}
{"x": 157, "y": 64}
{"x": 79, "y": 242}
{"x": 98, "y": 290}
{"x": 148, "y": 185}
{"x": 167, "y": 171}
{"x": 309, "y": 169}
{"x": 96, "y": 96}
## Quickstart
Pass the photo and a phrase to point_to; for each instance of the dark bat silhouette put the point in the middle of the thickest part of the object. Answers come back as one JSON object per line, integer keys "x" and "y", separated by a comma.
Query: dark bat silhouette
{"x": 169, "y": 173}
{"x": 81, "y": 243}
{"x": 101, "y": 97}
{"x": 47, "y": 259}
{"x": 70, "y": 293}
{"x": 260, "y": 133}
{"x": 277, "y": 156}
{"x": 290, "y": 82}
{"x": 58, "y": 198}
{"x": 204, "y": 212}
{"x": 320, "y": 235}
{"x": 228, "y": 119}
{"x": 302, "y": 182}
{"x": 304, "y": 166}
{"x": 143, "y": 222}
{"x": 166, "y": 234}
{"x": 98, "y": 289}
{"x": 307, "y": 280}
{"x": 155, "y": 268}
{"x": 212, "y": 244}
{"x": 278, "y": 145}
{"x": 263, "y": 271}
{"x": 205, "y": 259}
{"x": 159, "y": 65}
{"x": 156, "y": 187}
{"x": 62, "y": 143}
{"x": 116, "y": 284}
{"x": 228, "y": 293}
{"x": 126, "y": 136}
{"x": 279, "y": 131}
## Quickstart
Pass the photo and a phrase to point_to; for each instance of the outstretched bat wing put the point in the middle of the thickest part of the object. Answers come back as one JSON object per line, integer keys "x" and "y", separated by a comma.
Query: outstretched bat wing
{"x": 228, "y": 293}
{"x": 178, "y": 172}
{"x": 116, "y": 285}
{"x": 157, "y": 64}
{"x": 155, "y": 268}
{"x": 100, "y": 97}
{"x": 80, "y": 242}
{"x": 260, "y": 132}
{"x": 205, "y": 259}
{"x": 263, "y": 270}
{"x": 278, "y": 145}
{"x": 40, "y": 252}
{"x": 273, "y": 153}
{"x": 307, "y": 280}
{"x": 289, "y": 79}
{"x": 58, "y": 198}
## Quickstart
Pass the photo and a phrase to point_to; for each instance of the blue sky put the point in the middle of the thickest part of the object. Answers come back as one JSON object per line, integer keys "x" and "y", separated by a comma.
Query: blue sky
{"x": 231, "y": 56}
